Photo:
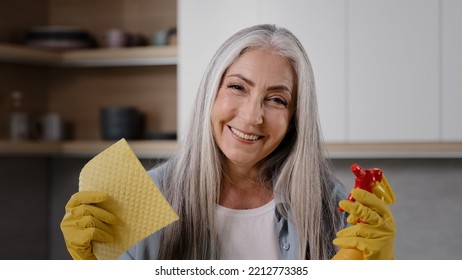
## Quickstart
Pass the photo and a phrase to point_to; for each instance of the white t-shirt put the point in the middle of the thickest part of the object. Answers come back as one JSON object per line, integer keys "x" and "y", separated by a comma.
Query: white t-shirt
{"x": 248, "y": 234}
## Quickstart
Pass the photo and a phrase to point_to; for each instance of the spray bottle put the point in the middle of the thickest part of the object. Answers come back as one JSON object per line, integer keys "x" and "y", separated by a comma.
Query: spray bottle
{"x": 374, "y": 181}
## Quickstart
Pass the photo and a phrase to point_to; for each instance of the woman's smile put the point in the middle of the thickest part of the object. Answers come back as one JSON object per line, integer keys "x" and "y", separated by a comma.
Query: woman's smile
{"x": 244, "y": 136}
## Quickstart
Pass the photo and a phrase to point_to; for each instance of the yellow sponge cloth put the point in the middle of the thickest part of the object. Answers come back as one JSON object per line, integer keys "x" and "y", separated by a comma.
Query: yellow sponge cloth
{"x": 136, "y": 201}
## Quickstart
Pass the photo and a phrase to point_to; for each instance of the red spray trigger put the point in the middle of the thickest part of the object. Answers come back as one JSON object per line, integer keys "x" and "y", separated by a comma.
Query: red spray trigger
{"x": 365, "y": 179}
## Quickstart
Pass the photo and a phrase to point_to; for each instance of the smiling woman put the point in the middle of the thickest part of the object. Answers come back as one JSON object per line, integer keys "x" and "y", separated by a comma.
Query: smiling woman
{"x": 249, "y": 180}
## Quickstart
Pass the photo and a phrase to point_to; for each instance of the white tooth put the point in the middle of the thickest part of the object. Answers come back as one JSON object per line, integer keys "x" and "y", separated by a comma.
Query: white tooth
{"x": 243, "y": 135}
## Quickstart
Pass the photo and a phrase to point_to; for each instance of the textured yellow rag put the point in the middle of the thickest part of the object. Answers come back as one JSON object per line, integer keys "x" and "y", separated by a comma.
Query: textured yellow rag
{"x": 139, "y": 205}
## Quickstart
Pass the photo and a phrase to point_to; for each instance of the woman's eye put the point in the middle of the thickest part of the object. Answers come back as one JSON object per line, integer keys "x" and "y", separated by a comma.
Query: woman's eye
{"x": 236, "y": 87}
{"x": 279, "y": 101}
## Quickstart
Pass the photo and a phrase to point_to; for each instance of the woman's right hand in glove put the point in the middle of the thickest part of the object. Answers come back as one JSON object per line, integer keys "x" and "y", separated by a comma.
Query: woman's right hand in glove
{"x": 85, "y": 222}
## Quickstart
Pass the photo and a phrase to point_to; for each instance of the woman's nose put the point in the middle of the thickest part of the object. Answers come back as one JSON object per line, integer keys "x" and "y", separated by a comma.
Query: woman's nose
{"x": 253, "y": 111}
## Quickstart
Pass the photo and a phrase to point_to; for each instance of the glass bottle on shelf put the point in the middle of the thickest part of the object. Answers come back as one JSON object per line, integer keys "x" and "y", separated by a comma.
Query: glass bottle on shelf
{"x": 19, "y": 120}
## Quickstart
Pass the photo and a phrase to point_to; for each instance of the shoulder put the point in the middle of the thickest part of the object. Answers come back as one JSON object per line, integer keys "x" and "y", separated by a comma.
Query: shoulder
{"x": 159, "y": 173}
{"x": 337, "y": 189}
{"x": 146, "y": 249}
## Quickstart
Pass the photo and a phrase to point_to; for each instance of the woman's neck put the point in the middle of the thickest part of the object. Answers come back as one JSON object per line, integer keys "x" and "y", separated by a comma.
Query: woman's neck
{"x": 243, "y": 189}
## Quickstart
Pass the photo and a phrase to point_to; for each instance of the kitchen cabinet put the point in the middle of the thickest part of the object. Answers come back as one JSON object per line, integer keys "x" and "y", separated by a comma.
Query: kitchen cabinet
{"x": 24, "y": 200}
{"x": 77, "y": 83}
{"x": 387, "y": 72}
{"x": 452, "y": 69}
{"x": 394, "y": 71}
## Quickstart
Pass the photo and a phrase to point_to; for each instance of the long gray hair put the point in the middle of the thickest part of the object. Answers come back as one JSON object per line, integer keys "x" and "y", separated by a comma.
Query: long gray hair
{"x": 297, "y": 169}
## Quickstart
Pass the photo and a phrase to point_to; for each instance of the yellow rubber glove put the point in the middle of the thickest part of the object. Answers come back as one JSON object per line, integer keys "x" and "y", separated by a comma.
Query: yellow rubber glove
{"x": 84, "y": 222}
{"x": 375, "y": 234}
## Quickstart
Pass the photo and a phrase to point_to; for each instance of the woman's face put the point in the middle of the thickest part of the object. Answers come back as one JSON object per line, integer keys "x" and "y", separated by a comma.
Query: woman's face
{"x": 253, "y": 107}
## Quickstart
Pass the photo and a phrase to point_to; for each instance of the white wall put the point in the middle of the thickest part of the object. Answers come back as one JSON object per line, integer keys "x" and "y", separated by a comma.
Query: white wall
{"x": 452, "y": 70}
{"x": 384, "y": 70}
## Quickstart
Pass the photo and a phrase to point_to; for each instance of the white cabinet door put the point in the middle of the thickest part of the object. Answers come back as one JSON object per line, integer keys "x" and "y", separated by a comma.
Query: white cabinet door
{"x": 393, "y": 78}
{"x": 319, "y": 24}
{"x": 452, "y": 70}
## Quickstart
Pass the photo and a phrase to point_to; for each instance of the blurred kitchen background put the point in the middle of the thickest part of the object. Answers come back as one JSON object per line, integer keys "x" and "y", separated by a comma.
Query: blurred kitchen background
{"x": 76, "y": 75}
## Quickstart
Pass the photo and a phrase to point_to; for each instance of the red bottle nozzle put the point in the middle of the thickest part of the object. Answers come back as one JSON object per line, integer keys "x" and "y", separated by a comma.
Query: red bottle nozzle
{"x": 357, "y": 170}
{"x": 364, "y": 178}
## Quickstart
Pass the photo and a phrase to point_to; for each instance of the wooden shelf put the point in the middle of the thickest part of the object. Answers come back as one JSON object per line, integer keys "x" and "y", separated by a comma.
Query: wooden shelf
{"x": 27, "y": 148}
{"x": 142, "y": 148}
{"x": 165, "y": 148}
{"x": 19, "y": 54}
{"x": 133, "y": 56}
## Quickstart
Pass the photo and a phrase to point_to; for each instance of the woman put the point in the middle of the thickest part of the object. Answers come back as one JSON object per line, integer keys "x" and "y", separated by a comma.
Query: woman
{"x": 251, "y": 180}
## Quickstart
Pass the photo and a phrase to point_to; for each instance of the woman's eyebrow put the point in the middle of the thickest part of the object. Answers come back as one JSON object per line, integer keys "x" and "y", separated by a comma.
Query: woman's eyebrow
{"x": 242, "y": 78}
{"x": 280, "y": 88}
